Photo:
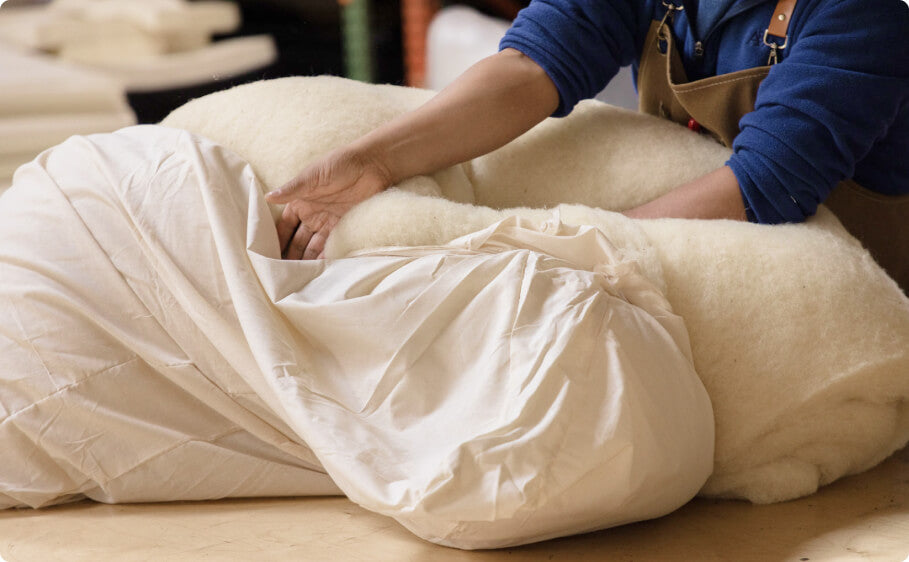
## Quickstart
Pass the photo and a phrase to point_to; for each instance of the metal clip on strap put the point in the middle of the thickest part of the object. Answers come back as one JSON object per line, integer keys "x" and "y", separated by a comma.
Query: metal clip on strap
{"x": 779, "y": 27}
{"x": 670, "y": 10}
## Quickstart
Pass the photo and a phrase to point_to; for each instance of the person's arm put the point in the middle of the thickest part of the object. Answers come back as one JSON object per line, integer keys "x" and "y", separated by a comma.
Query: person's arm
{"x": 556, "y": 53}
{"x": 712, "y": 196}
{"x": 581, "y": 44}
{"x": 817, "y": 114}
{"x": 492, "y": 103}
{"x": 489, "y": 105}
{"x": 824, "y": 107}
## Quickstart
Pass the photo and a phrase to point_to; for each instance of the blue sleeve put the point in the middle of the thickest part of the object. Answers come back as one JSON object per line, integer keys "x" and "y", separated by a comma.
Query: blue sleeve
{"x": 581, "y": 44}
{"x": 821, "y": 109}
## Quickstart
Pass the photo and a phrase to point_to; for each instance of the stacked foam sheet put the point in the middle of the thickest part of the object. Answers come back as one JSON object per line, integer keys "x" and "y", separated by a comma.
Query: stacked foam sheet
{"x": 43, "y": 102}
{"x": 146, "y": 44}
{"x": 152, "y": 27}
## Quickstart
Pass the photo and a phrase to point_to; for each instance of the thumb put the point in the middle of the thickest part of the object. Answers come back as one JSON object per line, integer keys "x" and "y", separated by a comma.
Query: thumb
{"x": 286, "y": 192}
{"x": 281, "y": 195}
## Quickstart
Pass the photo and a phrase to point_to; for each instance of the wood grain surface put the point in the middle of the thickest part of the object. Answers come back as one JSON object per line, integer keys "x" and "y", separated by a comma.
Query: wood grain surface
{"x": 864, "y": 517}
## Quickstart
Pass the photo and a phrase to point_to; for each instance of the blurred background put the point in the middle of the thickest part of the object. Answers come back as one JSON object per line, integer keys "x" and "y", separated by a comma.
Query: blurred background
{"x": 83, "y": 66}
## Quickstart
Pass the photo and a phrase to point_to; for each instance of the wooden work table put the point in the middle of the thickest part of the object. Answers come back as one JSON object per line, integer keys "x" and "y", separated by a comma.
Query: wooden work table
{"x": 864, "y": 517}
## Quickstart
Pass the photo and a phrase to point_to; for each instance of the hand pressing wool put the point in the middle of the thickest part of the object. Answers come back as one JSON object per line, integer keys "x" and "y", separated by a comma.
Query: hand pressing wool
{"x": 784, "y": 103}
{"x": 801, "y": 340}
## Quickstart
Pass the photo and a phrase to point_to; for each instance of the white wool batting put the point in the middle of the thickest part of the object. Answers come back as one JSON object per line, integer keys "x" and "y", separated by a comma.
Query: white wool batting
{"x": 801, "y": 340}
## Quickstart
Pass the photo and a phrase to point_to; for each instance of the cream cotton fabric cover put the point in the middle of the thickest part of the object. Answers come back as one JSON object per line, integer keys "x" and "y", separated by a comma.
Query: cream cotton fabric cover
{"x": 526, "y": 381}
{"x": 801, "y": 340}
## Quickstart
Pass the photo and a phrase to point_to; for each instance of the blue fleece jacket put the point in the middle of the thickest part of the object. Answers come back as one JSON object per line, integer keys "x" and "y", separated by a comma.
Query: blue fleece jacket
{"x": 836, "y": 107}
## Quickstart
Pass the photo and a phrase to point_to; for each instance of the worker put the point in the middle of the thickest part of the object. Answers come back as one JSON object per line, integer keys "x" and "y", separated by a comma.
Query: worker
{"x": 811, "y": 95}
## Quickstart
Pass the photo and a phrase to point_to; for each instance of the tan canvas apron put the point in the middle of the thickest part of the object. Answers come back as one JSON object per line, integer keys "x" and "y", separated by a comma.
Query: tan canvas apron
{"x": 715, "y": 106}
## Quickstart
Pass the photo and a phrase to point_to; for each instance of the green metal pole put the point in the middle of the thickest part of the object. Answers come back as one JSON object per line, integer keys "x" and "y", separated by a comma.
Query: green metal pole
{"x": 357, "y": 44}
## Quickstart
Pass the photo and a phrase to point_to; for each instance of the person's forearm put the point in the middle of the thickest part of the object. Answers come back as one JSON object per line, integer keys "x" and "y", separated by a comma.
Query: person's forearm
{"x": 489, "y": 105}
{"x": 712, "y": 196}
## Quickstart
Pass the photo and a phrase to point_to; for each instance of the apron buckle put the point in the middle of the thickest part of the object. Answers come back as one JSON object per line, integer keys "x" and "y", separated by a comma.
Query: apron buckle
{"x": 662, "y": 39}
{"x": 774, "y": 47}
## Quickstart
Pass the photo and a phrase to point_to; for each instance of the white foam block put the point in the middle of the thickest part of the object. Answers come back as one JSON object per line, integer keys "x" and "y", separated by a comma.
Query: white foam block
{"x": 31, "y": 84}
{"x": 155, "y": 16}
{"x": 169, "y": 25}
{"x": 217, "y": 61}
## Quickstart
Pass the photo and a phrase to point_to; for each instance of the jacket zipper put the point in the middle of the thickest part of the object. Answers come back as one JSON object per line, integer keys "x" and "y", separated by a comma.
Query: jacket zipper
{"x": 737, "y": 9}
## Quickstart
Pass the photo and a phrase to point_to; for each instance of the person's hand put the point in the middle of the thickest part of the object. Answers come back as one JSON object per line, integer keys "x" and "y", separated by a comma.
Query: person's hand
{"x": 492, "y": 103}
{"x": 319, "y": 196}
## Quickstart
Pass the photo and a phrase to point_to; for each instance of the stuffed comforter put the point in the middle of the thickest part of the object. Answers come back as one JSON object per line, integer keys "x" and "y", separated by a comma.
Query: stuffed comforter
{"x": 526, "y": 381}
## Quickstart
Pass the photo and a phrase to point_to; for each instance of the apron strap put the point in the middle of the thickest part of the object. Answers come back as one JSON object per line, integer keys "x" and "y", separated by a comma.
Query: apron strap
{"x": 779, "y": 27}
{"x": 782, "y": 14}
